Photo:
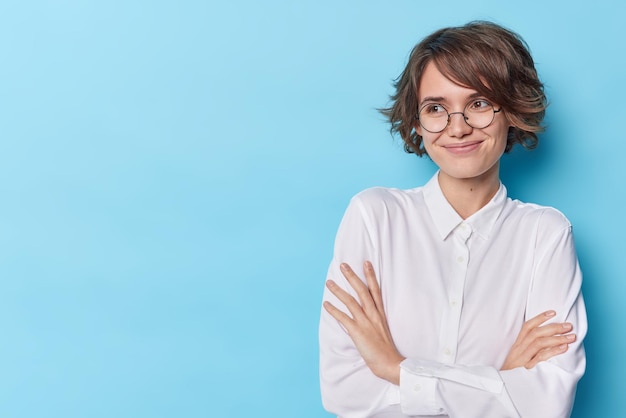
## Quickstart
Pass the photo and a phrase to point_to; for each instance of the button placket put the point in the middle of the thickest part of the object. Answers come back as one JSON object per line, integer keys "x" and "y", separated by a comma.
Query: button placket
{"x": 452, "y": 313}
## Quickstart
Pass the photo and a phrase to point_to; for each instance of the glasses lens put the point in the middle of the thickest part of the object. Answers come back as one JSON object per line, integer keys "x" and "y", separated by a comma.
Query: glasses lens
{"x": 433, "y": 117}
{"x": 479, "y": 114}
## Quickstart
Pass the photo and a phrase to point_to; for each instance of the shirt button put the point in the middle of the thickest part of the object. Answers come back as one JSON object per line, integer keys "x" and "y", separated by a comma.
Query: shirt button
{"x": 447, "y": 352}
{"x": 459, "y": 259}
{"x": 453, "y": 302}
{"x": 417, "y": 387}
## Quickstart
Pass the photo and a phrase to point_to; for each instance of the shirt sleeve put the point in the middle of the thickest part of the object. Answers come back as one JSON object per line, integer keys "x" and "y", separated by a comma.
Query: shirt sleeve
{"x": 546, "y": 390}
{"x": 549, "y": 388}
{"x": 350, "y": 389}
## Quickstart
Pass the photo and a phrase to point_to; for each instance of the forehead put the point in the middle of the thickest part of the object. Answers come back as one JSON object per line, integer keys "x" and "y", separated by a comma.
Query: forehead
{"x": 434, "y": 85}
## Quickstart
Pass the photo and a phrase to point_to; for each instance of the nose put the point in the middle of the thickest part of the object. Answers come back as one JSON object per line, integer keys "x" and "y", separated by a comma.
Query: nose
{"x": 458, "y": 127}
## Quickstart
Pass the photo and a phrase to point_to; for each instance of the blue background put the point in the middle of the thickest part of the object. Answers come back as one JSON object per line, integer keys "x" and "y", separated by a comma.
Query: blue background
{"x": 172, "y": 174}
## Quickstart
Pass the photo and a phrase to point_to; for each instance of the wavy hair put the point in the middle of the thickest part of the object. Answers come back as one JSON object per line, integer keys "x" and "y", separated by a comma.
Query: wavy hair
{"x": 481, "y": 55}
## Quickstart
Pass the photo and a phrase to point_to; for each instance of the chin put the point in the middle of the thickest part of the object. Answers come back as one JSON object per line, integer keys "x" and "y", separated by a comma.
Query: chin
{"x": 466, "y": 173}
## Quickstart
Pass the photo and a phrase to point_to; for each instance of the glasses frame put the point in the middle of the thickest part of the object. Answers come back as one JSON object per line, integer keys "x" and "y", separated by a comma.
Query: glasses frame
{"x": 465, "y": 118}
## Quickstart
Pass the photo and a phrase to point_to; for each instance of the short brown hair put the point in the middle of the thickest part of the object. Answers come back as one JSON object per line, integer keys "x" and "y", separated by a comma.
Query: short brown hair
{"x": 483, "y": 56}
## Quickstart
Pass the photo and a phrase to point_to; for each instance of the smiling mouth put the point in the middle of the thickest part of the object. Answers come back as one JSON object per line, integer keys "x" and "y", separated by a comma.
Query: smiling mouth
{"x": 463, "y": 147}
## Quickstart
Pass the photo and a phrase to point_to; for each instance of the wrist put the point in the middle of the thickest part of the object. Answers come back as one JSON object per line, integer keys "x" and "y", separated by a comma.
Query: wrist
{"x": 391, "y": 372}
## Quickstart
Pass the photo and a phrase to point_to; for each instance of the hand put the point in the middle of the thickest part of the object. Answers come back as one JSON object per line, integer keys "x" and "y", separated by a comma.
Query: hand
{"x": 537, "y": 343}
{"x": 368, "y": 326}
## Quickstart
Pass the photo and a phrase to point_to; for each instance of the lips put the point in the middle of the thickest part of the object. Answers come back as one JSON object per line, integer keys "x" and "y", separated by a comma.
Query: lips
{"x": 462, "y": 147}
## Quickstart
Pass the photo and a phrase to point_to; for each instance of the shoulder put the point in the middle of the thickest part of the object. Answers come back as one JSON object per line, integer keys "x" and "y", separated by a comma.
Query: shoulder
{"x": 376, "y": 199}
{"x": 383, "y": 211}
{"x": 546, "y": 218}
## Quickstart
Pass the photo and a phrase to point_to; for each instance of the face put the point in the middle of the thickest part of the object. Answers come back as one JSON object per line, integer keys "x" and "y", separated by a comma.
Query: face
{"x": 460, "y": 151}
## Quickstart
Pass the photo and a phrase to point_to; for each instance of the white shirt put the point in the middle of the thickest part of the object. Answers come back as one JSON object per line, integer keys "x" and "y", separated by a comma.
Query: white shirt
{"x": 456, "y": 294}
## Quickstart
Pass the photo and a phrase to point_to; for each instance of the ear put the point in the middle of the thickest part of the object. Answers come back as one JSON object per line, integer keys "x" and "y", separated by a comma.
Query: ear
{"x": 417, "y": 127}
{"x": 509, "y": 120}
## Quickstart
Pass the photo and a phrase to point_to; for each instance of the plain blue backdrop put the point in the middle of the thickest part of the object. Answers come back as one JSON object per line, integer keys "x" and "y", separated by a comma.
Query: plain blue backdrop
{"x": 172, "y": 174}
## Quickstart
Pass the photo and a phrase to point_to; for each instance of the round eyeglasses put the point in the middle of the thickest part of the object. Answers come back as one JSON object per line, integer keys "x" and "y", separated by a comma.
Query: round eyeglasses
{"x": 435, "y": 118}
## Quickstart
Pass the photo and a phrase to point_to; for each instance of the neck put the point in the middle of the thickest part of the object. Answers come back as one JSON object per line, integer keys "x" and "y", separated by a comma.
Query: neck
{"x": 468, "y": 196}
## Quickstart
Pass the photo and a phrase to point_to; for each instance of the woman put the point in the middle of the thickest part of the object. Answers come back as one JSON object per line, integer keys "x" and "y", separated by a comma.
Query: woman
{"x": 451, "y": 299}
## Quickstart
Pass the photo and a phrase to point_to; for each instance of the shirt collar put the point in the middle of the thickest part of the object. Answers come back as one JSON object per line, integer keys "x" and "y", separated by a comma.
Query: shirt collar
{"x": 446, "y": 219}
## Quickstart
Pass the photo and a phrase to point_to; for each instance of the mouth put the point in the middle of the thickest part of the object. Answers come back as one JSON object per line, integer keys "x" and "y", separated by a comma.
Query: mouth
{"x": 463, "y": 147}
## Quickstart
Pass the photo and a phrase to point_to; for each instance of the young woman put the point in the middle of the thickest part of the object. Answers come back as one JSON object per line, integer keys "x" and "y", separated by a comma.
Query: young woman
{"x": 451, "y": 299}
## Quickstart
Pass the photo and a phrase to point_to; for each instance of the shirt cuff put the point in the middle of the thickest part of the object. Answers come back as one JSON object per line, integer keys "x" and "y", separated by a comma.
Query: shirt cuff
{"x": 418, "y": 391}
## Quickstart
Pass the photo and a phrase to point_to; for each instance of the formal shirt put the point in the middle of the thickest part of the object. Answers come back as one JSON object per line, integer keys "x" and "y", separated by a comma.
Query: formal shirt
{"x": 456, "y": 293}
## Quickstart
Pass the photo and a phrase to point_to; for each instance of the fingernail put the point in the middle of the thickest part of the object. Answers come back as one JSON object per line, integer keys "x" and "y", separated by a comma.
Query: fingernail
{"x": 330, "y": 283}
{"x": 343, "y": 266}
{"x": 570, "y": 337}
{"x": 567, "y": 326}
{"x": 550, "y": 313}
{"x": 563, "y": 347}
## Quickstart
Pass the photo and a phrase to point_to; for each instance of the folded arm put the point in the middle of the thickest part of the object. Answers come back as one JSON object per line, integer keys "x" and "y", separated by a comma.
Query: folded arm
{"x": 431, "y": 388}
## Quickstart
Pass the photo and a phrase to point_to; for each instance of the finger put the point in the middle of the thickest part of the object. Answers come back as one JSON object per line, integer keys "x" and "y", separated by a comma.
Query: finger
{"x": 374, "y": 288}
{"x": 539, "y": 319}
{"x": 531, "y": 346}
{"x": 535, "y": 322}
{"x": 543, "y": 337}
{"x": 362, "y": 291}
{"x": 347, "y": 299}
{"x": 541, "y": 349}
{"x": 551, "y": 329}
{"x": 547, "y": 354}
{"x": 345, "y": 320}
{"x": 549, "y": 342}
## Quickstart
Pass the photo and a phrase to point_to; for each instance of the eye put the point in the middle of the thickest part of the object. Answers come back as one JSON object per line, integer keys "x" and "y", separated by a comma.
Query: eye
{"x": 434, "y": 109}
{"x": 479, "y": 105}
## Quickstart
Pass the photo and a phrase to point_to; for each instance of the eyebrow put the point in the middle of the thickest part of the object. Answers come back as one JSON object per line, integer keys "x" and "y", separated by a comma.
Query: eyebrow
{"x": 439, "y": 99}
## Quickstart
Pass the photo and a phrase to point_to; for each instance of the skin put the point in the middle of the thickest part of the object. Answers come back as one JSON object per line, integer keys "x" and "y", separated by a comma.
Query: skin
{"x": 468, "y": 158}
{"x": 469, "y": 163}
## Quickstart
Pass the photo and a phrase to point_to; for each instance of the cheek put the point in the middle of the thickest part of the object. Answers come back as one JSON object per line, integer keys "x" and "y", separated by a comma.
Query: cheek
{"x": 427, "y": 140}
{"x": 501, "y": 134}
